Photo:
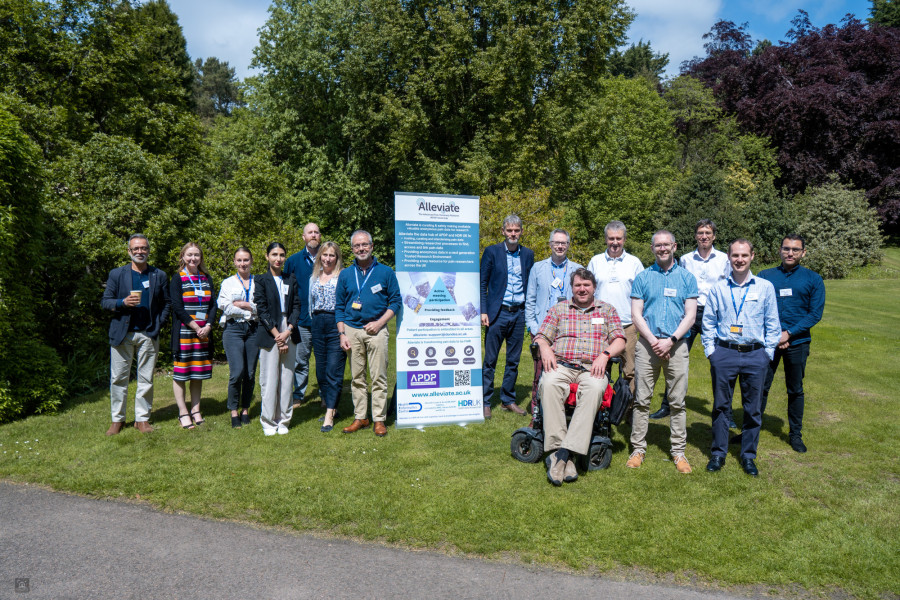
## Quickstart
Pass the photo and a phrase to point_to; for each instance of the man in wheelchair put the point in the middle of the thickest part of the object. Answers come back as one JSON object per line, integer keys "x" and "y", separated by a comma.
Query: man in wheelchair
{"x": 576, "y": 340}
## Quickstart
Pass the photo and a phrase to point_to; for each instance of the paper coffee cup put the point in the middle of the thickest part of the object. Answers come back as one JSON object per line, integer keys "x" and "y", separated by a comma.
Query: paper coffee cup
{"x": 136, "y": 293}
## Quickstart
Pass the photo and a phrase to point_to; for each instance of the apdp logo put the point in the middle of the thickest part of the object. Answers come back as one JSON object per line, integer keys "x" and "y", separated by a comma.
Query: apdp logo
{"x": 422, "y": 379}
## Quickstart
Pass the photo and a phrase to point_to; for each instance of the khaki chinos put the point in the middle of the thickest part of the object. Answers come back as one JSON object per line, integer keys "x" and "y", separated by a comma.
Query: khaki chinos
{"x": 554, "y": 391}
{"x": 121, "y": 356}
{"x": 647, "y": 368}
{"x": 371, "y": 349}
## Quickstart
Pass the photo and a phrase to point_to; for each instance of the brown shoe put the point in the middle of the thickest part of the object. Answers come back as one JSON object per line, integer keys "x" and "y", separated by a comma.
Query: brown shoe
{"x": 682, "y": 464}
{"x": 635, "y": 460}
{"x": 143, "y": 426}
{"x": 556, "y": 472}
{"x": 571, "y": 473}
{"x": 380, "y": 429}
{"x": 115, "y": 428}
{"x": 487, "y": 411}
{"x": 356, "y": 425}
{"x": 514, "y": 408}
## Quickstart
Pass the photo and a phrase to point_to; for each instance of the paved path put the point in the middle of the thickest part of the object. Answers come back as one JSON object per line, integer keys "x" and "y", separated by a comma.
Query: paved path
{"x": 74, "y": 547}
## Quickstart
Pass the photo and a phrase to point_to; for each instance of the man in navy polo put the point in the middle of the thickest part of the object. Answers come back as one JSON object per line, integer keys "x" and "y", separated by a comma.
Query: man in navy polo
{"x": 505, "y": 269}
{"x": 366, "y": 298}
{"x": 300, "y": 264}
{"x": 739, "y": 334}
{"x": 801, "y": 300}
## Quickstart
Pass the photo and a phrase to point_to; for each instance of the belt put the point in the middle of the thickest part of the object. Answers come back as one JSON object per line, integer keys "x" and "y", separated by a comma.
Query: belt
{"x": 575, "y": 366}
{"x": 739, "y": 347}
{"x": 323, "y": 312}
{"x": 513, "y": 308}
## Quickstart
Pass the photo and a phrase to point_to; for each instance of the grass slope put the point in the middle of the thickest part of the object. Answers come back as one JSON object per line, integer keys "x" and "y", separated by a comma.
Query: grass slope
{"x": 826, "y": 521}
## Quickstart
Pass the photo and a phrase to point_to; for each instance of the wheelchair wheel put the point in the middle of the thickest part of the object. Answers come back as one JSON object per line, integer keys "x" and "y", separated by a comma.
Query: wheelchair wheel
{"x": 526, "y": 448}
{"x": 599, "y": 457}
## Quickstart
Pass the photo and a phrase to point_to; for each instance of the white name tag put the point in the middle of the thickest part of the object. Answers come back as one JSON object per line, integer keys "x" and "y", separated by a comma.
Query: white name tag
{"x": 146, "y": 284}
{"x": 557, "y": 283}
{"x": 376, "y": 288}
{"x": 597, "y": 321}
{"x": 670, "y": 292}
{"x": 613, "y": 279}
{"x": 753, "y": 296}
{"x": 200, "y": 316}
{"x": 236, "y": 297}
{"x": 785, "y": 292}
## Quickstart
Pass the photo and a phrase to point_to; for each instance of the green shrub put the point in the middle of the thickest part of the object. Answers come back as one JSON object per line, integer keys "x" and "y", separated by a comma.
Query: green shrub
{"x": 840, "y": 228}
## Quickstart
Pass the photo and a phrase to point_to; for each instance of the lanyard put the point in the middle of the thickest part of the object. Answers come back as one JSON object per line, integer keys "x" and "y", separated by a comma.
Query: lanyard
{"x": 198, "y": 287}
{"x": 562, "y": 289}
{"x": 356, "y": 274}
{"x": 737, "y": 310}
{"x": 246, "y": 289}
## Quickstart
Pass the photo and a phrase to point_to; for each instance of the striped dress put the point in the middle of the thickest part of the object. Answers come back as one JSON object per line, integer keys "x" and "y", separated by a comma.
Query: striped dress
{"x": 191, "y": 356}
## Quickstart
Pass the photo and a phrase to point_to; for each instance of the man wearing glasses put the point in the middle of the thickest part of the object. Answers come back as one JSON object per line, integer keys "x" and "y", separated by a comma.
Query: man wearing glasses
{"x": 548, "y": 284}
{"x": 800, "y": 294}
{"x": 138, "y": 296}
{"x": 366, "y": 298}
{"x": 663, "y": 307}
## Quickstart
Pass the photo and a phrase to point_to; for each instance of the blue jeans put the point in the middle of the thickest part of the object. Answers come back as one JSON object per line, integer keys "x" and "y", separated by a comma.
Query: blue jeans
{"x": 330, "y": 358}
{"x": 242, "y": 352}
{"x": 794, "y": 370}
{"x": 301, "y": 370}
{"x": 510, "y": 327}
{"x": 727, "y": 366}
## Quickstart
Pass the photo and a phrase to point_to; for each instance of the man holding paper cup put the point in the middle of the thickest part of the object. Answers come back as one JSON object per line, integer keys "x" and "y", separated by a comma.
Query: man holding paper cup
{"x": 138, "y": 296}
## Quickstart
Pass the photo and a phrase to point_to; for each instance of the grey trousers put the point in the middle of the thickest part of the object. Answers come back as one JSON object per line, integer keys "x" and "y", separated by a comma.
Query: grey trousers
{"x": 121, "y": 357}
{"x": 275, "y": 377}
{"x": 301, "y": 366}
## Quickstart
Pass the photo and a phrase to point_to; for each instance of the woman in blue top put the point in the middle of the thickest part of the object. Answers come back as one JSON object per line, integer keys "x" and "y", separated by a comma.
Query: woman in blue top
{"x": 330, "y": 357}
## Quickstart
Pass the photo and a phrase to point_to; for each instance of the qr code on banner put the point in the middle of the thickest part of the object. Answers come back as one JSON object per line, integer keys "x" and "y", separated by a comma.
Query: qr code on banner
{"x": 462, "y": 378}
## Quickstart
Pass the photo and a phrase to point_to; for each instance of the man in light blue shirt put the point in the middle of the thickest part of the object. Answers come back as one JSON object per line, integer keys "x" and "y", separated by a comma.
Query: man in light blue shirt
{"x": 739, "y": 335}
{"x": 548, "y": 284}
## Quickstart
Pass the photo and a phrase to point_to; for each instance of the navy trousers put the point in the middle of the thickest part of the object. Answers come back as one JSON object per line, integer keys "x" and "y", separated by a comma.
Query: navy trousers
{"x": 794, "y": 369}
{"x": 727, "y": 366}
{"x": 330, "y": 358}
{"x": 508, "y": 326}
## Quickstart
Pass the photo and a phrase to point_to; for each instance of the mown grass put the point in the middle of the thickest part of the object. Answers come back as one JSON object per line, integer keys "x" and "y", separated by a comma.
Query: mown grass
{"x": 823, "y": 523}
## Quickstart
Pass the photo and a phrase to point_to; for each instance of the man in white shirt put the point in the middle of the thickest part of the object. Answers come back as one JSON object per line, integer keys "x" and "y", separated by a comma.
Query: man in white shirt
{"x": 709, "y": 266}
{"x": 615, "y": 271}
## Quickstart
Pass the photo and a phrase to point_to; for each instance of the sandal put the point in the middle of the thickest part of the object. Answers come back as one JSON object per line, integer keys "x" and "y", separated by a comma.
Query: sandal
{"x": 198, "y": 420}
{"x": 190, "y": 424}
{"x": 235, "y": 422}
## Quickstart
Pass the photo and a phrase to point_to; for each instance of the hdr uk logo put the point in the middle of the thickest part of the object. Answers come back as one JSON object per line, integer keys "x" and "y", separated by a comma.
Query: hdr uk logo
{"x": 422, "y": 379}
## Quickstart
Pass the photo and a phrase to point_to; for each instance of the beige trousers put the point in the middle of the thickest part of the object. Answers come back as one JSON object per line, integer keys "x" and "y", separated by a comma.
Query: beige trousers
{"x": 647, "y": 367}
{"x": 631, "y": 338}
{"x": 276, "y": 379}
{"x": 554, "y": 391}
{"x": 372, "y": 350}
{"x": 121, "y": 356}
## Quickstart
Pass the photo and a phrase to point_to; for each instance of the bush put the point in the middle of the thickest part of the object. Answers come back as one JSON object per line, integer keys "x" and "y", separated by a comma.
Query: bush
{"x": 840, "y": 228}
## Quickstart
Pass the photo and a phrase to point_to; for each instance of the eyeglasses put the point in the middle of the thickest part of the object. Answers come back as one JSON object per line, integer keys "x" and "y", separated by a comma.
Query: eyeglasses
{"x": 788, "y": 250}
{"x": 141, "y": 249}
{"x": 560, "y": 244}
{"x": 662, "y": 246}
{"x": 361, "y": 246}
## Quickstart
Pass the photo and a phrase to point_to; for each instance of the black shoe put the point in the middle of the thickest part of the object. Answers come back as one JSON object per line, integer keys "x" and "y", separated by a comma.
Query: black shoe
{"x": 235, "y": 422}
{"x": 715, "y": 463}
{"x": 798, "y": 445}
{"x": 749, "y": 467}
{"x": 735, "y": 439}
{"x": 661, "y": 413}
{"x": 245, "y": 418}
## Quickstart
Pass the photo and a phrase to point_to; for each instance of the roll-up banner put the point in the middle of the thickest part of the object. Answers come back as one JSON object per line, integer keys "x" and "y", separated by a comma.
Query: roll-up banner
{"x": 439, "y": 336}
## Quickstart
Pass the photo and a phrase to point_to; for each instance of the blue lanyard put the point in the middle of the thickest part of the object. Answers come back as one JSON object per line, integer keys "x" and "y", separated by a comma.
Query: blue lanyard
{"x": 565, "y": 268}
{"x": 246, "y": 289}
{"x": 198, "y": 287}
{"x": 737, "y": 310}
{"x": 356, "y": 274}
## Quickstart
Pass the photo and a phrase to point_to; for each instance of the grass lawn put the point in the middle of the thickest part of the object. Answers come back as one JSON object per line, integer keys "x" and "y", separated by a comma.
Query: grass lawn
{"x": 822, "y": 523}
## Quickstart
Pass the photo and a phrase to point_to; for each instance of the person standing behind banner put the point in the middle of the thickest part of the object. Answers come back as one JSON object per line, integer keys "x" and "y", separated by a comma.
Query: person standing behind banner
{"x": 278, "y": 308}
{"x": 548, "y": 284}
{"x": 239, "y": 337}
{"x": 192, "y": 293}
{"x": 326, "y": 340}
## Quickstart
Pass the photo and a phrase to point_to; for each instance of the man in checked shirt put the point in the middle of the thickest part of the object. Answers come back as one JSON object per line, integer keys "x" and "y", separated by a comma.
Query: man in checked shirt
{"x": 577, "y": 339}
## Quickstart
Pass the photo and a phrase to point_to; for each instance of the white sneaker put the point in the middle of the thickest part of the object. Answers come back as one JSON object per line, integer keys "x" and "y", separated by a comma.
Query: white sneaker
{"x": 269, "y": 431}
{"x": 282, "y": 430}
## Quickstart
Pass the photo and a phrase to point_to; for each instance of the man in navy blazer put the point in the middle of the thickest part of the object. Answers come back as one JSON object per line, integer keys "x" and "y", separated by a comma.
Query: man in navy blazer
{"x": 300, "y": 264}
{"x": 505, "y": 268}
{"x": 138, "y": 296}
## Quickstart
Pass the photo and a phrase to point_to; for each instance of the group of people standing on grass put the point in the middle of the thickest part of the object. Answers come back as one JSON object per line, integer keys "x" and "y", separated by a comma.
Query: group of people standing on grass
{"x": 300, "y": 304}
{"x": 579, "y": 318}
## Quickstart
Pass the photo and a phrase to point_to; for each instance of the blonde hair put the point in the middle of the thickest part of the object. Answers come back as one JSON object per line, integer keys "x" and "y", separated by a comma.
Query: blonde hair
{"x": 183, "y": 265}
{"x": 317, "y": 266}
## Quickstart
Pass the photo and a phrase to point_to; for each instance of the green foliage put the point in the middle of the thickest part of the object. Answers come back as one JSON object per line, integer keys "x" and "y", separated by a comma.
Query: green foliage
{"x": 885, "y": 12}
{"x": 639, "y": 60}
{"x": 216, "y": 89}
{"x": 31, "y": 373}
{"x": 841, "y": 230}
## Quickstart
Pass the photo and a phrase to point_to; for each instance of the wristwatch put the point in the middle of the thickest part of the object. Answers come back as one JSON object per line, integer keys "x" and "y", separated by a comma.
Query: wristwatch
{"x": 674, "y": 339}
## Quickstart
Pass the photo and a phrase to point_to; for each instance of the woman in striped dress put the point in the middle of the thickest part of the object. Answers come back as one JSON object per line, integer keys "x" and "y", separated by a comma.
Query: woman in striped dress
{"x": 194, "y": 307}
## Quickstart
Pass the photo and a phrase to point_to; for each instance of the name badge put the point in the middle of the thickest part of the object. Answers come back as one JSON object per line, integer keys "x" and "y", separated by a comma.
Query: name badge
{"x": 753, "y": 296}
{"x": 356, "y": 305}
{"x": 557, "y": 283}
{"x": 738, "y": 329}
{"x": 236, "y": 297}
{"x": 146, "y": 283}
{"x": 200, "y": 316}
{"x": 597, "y": 321}
{"x": 785, "y": 292}
{"x": 613, "y": 279}
{"x": 376, "y": 288}
{"x": 670, "y": 292}
{"x": 561, "y": 298}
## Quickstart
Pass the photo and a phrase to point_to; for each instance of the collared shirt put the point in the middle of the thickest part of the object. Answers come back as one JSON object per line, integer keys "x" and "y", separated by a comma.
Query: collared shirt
{"x": 140, "y": 314}
{"x": 232, "y": 289}
{"x": 801, "y": 300}
{"x": 542, "y": 294}
{"x": 664, "y": 294}
{"x": 742, "y": 314}
{"x": 514, "y": 294}
{"x": 377, "y": 292}
{"x": 579, "y": 335}
{"x": 615, "y": 277}
{"x": 708, "y": 271}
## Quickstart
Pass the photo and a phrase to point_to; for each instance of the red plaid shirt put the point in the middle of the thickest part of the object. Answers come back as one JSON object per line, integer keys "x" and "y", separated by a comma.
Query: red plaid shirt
{"x": 579, "y": 335}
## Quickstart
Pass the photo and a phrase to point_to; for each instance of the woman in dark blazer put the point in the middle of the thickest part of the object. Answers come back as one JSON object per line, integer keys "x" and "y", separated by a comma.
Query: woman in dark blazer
{"x": 277, "y": 301}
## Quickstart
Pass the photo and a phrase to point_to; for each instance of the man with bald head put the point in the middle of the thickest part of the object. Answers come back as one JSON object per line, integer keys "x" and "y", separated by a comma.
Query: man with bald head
{"x": 300, "y": 264}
